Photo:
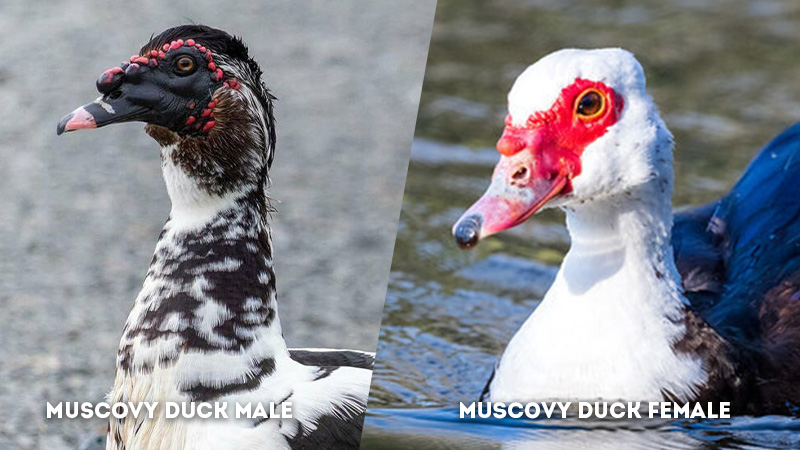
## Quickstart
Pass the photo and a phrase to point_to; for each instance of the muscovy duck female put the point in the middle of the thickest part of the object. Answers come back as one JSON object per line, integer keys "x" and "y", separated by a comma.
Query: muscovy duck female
{"x": 641, "y": 310}
{"x": 205, "y": 326}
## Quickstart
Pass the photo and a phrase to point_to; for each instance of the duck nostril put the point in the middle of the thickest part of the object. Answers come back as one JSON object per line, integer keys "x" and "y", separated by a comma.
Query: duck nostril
{"x": 520, "y": 174}
{"x": 115, "y": 94}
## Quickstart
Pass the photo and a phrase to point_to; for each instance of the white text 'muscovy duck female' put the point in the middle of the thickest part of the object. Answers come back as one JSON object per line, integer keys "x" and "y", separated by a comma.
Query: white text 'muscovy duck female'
{"x": 205, "y": 326}
{"x": 640, "y": 309}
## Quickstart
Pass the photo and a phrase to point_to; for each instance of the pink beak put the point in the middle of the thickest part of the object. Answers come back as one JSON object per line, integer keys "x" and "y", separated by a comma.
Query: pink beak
{"x": 522, "y": 183}
{"x": 77, "y": 120}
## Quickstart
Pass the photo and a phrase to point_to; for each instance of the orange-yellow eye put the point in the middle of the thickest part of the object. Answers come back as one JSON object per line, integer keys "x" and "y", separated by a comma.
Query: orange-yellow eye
{"x": 590, "y": 104}
{"x": 184, "y": 65}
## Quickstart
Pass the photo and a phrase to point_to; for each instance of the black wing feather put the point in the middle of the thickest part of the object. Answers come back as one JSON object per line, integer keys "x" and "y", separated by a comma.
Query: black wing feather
{"x": 333, "y": 358}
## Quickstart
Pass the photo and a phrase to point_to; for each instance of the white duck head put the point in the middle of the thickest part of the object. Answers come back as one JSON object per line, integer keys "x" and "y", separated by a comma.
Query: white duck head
{"x": 580, "y": 128}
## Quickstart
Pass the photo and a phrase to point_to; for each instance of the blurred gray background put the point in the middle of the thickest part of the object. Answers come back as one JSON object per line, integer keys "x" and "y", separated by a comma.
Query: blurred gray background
{"x": 80, "y": 213}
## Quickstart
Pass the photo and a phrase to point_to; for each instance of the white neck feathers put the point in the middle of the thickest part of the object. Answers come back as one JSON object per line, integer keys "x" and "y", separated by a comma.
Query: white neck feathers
{"x": 192, "y": 206}
{"x": 606, "y": 327}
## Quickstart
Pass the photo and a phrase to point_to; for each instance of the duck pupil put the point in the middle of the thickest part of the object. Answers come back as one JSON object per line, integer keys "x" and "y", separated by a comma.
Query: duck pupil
{"x": 590, "y": 104}
{"x": 185, "y": 64}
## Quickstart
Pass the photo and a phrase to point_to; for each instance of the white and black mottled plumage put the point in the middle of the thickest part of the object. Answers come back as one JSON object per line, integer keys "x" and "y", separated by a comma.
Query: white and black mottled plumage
{"x": 205, "y": 325}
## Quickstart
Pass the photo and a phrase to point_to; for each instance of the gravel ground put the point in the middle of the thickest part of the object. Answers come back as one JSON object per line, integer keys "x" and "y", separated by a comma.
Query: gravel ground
{"x": 80, "y": 214}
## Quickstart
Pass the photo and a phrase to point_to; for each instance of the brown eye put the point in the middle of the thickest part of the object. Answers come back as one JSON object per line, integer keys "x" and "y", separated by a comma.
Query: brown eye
{"x": 590, "y": 105}
{"x": 184, "y": 65}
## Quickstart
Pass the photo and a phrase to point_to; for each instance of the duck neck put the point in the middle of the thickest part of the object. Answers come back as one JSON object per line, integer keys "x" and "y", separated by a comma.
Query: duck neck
{"x": 628, "y": 236}
{"x": 208, "y": 306}
{"x": 615, "y": 309}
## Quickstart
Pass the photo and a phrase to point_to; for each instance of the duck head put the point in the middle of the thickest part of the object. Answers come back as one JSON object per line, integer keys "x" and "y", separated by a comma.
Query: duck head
{"x": 580, "y": 128}
{"x": 199, "y": 92}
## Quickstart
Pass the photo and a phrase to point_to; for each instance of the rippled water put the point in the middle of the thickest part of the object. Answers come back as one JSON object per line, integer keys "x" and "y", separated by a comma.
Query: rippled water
{"x": 438, "y": 428}
{"x": 724, "y": 74}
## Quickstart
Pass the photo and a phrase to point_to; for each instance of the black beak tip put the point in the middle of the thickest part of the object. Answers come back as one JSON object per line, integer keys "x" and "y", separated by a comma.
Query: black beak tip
{"x": 62, "y": 125}
{"x": 468, "y": 231}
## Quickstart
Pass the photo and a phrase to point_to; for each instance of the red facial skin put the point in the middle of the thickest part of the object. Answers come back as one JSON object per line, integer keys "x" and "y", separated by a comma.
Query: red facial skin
{"x": 541, "y": 158}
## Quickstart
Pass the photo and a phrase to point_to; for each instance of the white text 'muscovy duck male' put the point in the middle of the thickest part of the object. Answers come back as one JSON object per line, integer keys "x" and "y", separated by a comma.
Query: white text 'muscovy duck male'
{"x": 205, "y": 326}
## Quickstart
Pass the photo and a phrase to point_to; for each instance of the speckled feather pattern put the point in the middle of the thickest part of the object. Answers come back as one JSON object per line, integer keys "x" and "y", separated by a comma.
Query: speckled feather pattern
{"x": 205, "y": 326}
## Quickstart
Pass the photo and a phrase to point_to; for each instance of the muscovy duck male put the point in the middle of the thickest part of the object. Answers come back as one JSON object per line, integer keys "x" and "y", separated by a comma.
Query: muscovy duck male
{"x": 205, "y": 326}
{"x": 706, "y": 309}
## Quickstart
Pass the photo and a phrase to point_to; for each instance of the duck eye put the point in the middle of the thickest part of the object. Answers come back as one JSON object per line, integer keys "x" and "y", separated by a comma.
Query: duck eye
{"x": 590, "y": 105}
{"x": 184, "y": 65}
